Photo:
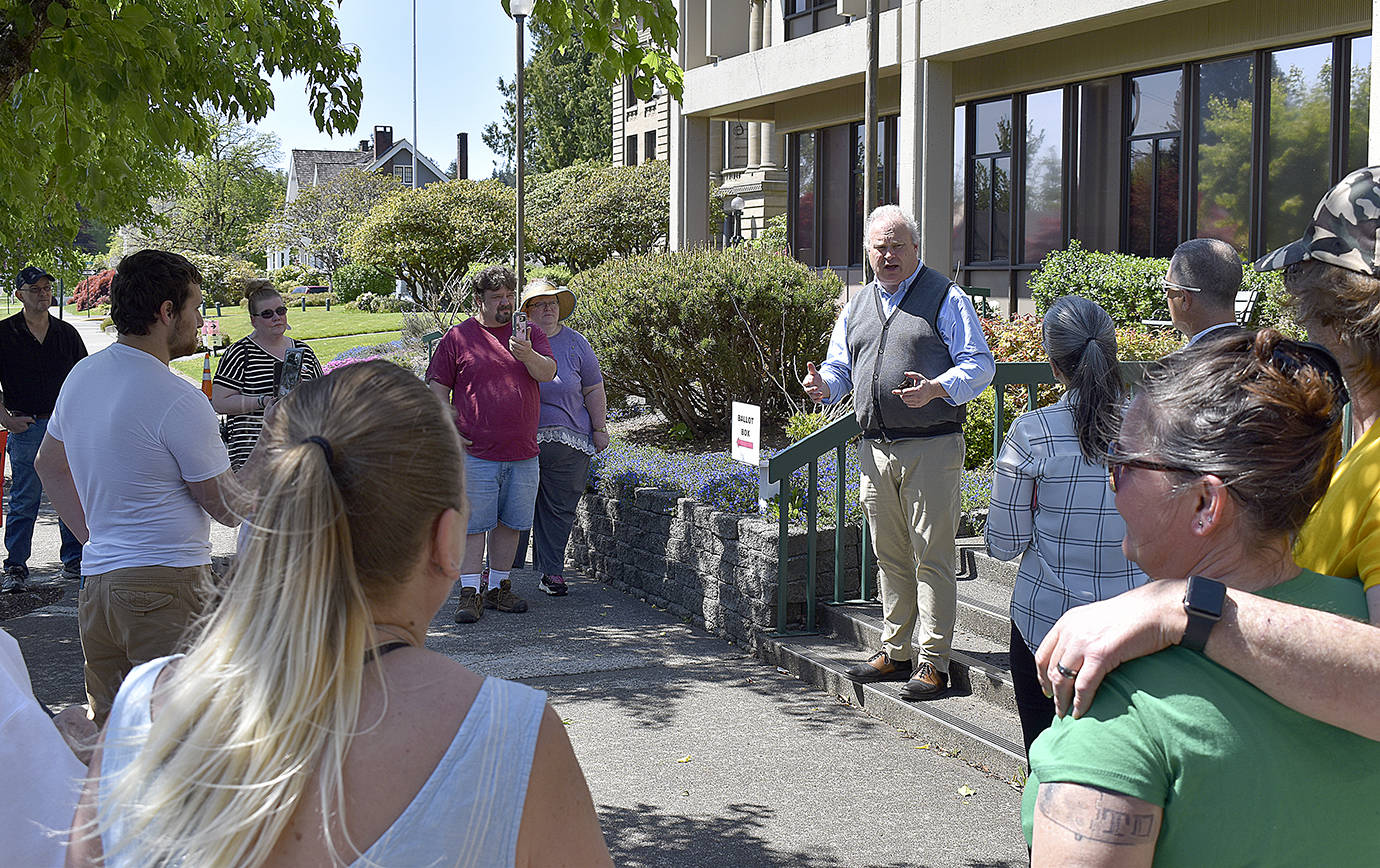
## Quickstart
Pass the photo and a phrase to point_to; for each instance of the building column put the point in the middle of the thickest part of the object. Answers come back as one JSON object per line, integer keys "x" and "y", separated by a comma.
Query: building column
{"x": 689, "y": 179}
{"x": 936, "y": 184}
{"x": 716, "y": 151}
{"x": 768, "y": 156}
{"x": 908, "y": 131}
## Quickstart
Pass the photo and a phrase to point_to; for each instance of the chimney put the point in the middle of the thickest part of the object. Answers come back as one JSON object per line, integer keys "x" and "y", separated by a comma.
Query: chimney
{"x": 462, "y": 155}
{"x": 364, "y": 144}
{"x": 383, "y": 140}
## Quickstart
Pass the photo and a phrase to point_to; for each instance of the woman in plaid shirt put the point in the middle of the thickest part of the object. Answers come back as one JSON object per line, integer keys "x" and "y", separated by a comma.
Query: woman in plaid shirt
{"x": 1050, "y": 502}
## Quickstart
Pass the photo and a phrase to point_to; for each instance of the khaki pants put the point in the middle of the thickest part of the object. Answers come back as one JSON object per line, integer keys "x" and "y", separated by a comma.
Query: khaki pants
{"x": 910, "y": 491}
{"x": 131, "y": 616}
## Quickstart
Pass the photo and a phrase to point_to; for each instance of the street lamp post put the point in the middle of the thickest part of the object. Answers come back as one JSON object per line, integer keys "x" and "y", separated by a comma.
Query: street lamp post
{"x": 734, "y": 208}
{"x": 520, "y": 10}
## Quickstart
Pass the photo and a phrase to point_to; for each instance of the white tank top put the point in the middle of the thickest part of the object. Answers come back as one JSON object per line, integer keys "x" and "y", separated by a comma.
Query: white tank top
{"x": 468, "y": 811}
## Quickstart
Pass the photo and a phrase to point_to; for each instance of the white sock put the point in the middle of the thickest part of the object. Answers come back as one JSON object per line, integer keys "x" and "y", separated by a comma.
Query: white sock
{"x": 497, "y": 576}
{"x": 469, "y": 580}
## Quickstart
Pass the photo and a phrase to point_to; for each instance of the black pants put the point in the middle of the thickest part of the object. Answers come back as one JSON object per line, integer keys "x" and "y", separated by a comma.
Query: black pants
{"x": 1036, "y": 709}
{"x": 564, "y": 474}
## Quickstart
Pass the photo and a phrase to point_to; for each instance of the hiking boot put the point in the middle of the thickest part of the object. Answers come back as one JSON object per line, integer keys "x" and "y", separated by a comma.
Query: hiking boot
{"x": 471, "y": 607}
{"x": 879, "y": 667}
{"x": 16, "y": 581}
{"x": 503, "y": 599}
{"x": 554, "y": 585}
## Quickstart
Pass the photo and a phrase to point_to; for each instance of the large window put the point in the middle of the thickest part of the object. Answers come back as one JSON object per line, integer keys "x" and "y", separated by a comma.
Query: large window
{"x": 1238, "y": 148}
{"x": 826, "y": 187}
{"x": 1155, "y": 129}
{"x": 1225, "y": 160}
{"x": 989, "y": 224}
{"x": 1043, "y": 198}
{"x": 735, "y": 144}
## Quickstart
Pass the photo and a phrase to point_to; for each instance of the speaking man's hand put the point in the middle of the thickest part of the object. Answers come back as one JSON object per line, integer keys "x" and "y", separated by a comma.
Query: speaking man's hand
{"x": 920, "y": 392}
{"x": 814, "y": 384}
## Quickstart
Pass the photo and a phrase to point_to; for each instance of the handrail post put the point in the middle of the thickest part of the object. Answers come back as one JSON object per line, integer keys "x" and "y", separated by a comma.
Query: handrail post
{"x": 783, "y": 501}
{"x": 811, "y": 545}
{"x": 840, "y": 455}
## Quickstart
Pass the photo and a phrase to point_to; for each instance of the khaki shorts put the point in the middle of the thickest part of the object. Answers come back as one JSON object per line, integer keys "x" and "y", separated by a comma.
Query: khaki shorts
{"x": 131, "y": 616}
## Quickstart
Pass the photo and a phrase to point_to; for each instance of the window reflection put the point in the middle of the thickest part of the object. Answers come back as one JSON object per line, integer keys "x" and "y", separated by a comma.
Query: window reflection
{"x": 1225, "y": 102}
{"x": 1156, "y": 118}
{"x": 1298, "y": 139}
{"x": 990, "y": 239}
{"x": 1157, "y": 103}
{"x": 1358, "y": 132}
{"x": 805, "y": 198}
{"x": 960, "y": 155}
{"x": 1044, "y": 174}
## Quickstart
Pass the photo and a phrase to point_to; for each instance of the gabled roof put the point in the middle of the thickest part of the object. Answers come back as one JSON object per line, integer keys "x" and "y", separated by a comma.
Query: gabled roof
{"x": 310, "y": 167}
{"x": 421, "y": 158}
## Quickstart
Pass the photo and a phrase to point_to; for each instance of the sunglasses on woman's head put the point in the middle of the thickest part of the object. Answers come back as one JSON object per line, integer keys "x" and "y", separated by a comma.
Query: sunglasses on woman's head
{"x": 271, "y": 312}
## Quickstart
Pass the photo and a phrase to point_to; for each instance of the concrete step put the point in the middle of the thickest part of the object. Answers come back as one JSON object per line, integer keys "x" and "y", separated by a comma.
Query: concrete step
{"x": 977, "y": 665}
{"x": 973, "y": 561}
{"x": 959, "y": 722}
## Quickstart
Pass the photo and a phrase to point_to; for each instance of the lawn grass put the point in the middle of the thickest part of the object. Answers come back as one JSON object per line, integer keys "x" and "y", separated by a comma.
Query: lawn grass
{"x": 312, "y": 323}
{"x": 325, "y": 348}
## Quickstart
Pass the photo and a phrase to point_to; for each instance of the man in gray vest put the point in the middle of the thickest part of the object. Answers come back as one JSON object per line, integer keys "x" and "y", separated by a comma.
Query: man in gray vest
{"x": 911, "y": 348}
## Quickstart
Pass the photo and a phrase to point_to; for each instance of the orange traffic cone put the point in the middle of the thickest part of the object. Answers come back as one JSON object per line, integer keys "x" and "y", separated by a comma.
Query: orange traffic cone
{"x": 206, "y": 376}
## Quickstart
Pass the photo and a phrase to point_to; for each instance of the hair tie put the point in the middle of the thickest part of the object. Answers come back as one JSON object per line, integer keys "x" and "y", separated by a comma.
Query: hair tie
{"x": 324, "y": 444}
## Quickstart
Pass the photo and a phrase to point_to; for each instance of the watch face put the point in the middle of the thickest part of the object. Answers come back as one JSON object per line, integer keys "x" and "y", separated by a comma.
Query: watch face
{"x": 1205, "y": 596}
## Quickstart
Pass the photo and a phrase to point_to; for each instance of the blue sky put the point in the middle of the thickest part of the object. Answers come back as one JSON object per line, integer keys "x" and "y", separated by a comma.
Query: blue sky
{"x": 462, "y": 49}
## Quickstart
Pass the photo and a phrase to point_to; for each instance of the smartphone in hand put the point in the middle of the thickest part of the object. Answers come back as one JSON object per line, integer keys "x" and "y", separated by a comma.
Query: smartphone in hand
{"x": 520, "y": 325}
{"x": 292, "y": 370}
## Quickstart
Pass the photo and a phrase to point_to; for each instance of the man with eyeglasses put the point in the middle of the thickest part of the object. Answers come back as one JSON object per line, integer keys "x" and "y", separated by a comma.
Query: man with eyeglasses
{"x": 488, "y": 368}
{"x": 911, "y": 349}
{"x": 1200, "y": 287}
{"x": 37, "y": 350}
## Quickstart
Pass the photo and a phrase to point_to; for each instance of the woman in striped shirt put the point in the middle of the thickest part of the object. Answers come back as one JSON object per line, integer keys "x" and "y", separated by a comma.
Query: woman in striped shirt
{"x": 247, "y": 380}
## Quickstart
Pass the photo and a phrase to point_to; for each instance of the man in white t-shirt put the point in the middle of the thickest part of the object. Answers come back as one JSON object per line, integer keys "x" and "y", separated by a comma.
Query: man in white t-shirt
{"x": 134, "y": 463}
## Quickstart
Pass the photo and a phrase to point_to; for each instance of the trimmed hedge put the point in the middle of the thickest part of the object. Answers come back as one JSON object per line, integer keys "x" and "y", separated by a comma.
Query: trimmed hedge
{"x": 693, "y": 330}
{"x": 1128, "y": 287}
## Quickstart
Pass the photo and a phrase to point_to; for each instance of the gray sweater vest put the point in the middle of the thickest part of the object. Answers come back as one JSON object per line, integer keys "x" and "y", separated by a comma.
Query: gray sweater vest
{"x": 884, "y": 347}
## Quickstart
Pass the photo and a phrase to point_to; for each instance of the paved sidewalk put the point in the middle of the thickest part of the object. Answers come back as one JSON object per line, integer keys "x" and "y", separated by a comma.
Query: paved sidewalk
{"x": 89, "y": 327}
{"x": 696, "y": 753}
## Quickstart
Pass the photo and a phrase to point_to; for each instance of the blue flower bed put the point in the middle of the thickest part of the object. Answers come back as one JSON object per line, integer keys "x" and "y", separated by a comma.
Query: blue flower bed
{"x": 721, "y": 483}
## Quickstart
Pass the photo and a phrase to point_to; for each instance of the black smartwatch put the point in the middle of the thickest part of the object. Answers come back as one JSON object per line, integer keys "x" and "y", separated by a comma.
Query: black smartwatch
{"x": 1203, "y": 603}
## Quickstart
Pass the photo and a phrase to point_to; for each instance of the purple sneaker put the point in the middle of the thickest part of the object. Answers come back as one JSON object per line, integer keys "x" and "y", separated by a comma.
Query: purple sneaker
{"x": 554, "y": 585}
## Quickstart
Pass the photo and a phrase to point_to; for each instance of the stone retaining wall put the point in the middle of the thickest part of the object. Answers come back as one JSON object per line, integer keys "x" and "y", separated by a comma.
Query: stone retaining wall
{"x": 717, "y": 569}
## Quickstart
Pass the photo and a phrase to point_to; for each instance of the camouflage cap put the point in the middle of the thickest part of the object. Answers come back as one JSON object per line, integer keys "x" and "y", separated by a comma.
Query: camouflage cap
{"x": 1345, "y": 230}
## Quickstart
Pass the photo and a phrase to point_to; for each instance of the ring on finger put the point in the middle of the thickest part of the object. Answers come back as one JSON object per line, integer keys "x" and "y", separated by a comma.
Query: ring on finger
{"x": 1065, "y": 671}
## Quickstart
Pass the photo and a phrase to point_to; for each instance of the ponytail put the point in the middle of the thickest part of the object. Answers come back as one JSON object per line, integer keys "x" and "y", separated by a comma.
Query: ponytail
{"x": 1080, "y": 340}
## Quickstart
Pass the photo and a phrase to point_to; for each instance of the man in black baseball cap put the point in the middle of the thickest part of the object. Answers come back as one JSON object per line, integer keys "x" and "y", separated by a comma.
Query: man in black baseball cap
{"x": 37, "y": 351}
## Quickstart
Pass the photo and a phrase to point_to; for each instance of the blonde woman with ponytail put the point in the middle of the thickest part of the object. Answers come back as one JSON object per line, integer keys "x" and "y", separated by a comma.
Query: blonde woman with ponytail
{"x": 307, "y": 724}
{"x": 1051, "y": 506}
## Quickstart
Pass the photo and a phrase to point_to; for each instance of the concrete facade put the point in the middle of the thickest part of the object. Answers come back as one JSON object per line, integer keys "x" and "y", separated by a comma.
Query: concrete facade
{"x": 939, "y": 55}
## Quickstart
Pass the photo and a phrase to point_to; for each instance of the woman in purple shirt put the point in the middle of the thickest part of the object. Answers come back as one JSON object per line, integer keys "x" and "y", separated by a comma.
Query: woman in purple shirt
{"x": 573, "y": 426}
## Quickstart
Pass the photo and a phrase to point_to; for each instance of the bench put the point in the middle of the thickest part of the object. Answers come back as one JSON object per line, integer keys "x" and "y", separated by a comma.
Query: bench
{"x": 1247, "y": 311}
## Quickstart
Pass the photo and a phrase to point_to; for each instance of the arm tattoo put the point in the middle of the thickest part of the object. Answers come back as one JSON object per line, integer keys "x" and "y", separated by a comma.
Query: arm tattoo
{"x": 1095, "y": 815}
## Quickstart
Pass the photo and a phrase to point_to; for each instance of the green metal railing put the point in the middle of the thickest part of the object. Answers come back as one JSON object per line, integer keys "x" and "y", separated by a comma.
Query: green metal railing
{"x": 837, "y": 438}
{"x": 806, "y": 453}
{"x": 431, "y": 339}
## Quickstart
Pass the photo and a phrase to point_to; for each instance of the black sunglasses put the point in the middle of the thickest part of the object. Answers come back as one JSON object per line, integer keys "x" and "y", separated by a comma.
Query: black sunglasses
{"x": 271, "y": 312}
{"x": 1119, "y": 462}
{"x": 1291, "y": 355}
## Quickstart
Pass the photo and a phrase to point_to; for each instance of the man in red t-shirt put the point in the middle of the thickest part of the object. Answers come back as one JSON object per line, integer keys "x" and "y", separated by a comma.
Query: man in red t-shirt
{"x": 490, "y": 376}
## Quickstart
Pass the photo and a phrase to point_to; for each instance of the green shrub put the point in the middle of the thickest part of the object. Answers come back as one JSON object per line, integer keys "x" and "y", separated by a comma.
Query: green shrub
{"x": 1128, "y": 287}
{"x": 352, "y": 280}
{"x": 773, "y": 237}
{"x": 693, "y": 330}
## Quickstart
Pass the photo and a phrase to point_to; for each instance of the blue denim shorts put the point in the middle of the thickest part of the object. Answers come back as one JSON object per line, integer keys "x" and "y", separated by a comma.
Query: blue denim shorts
{"x": 501, "y": 491}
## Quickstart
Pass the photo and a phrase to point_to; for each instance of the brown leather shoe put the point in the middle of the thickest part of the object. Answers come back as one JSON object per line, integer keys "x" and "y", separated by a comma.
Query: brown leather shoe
{"x": 926, "y": 683}
{"x": 879, "y": 667}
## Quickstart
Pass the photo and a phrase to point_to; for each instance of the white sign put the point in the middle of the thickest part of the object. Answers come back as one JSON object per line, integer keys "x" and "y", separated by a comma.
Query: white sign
{"x": 745, "y": 433}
